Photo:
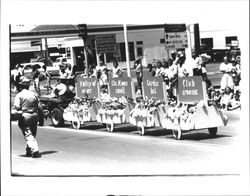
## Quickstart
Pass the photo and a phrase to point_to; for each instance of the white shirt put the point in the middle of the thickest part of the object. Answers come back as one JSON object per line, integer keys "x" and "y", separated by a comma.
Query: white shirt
{"x": 226, "y": 67}
{"x": 63, "y": 75}
{"x": 184, "y": 70}
{"x": 103, "y": 79}
{"x": 166, "y": 72}
{"x": 158, "y": 71}
{"x": 26, "y": 100}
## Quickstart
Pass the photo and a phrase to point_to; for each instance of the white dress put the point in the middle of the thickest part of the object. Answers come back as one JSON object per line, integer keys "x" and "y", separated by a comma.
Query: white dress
{"x": 226, "y": 79}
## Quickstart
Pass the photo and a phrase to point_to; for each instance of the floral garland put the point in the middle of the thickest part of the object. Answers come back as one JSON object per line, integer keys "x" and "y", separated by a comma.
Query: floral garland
{"x": 181, "y": 115}
{"x": 144, "y": 111}
{"x": 79, "y": 108}
{"x": 113, "y": 109}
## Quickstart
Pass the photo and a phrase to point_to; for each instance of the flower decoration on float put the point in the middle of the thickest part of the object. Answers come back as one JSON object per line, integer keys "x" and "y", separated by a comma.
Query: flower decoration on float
{"x": 145, "y": 111}
{"x": 181, "y": 115}
{"x": 113, "y": 109}
{"x": 79, "y": 108}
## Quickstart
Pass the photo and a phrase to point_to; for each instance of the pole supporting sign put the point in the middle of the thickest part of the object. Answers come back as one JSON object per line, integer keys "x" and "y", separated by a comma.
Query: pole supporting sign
{"x": 175, "y": 36}
{"x": 106, "y": 43}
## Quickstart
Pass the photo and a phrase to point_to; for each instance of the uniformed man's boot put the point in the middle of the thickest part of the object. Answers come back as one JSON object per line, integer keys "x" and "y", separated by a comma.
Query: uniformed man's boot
{"x": 28, "y": 152}
{"x": 36, "y": 154}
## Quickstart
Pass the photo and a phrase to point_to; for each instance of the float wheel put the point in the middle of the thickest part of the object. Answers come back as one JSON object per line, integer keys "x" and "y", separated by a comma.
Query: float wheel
{"x": 177, "y": 133}
{"x": 76, "y": 123}
{"x": 57, "y": 117}
{"x": 213, "y": 131}
{"x": 110, "y": 126}
{"x": 141, "y": 128}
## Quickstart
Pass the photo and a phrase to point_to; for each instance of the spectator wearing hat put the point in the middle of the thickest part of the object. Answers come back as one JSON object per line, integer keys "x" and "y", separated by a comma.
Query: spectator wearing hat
{"x": 63, "y": 74}
{"x": 26, "y": 104}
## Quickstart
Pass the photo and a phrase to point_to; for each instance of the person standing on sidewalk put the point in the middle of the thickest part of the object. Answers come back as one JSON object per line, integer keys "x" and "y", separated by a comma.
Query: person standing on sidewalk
{"x": 35, "y": 77}
{"x": 26, "y": 104}
{"x": 226, "y": 69}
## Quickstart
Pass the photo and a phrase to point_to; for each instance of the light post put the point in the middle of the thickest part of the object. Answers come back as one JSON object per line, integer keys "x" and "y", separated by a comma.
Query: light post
{"x": 84, "y": 34}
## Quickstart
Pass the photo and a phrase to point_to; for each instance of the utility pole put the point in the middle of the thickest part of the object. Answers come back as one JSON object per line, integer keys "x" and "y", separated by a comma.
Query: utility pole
{"x": 127, "y": 50}
{"x": 46, "y": 53}
{"x": 84, "y": 34}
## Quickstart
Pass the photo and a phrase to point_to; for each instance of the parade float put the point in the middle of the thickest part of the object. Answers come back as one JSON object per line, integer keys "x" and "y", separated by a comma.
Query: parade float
{"x": 83, "y": 108}
{"x": 151, "y": 106}
{"x": 193, "y": 110}
{"x": 116, "y": 104}
{"x": 147, "y": 113}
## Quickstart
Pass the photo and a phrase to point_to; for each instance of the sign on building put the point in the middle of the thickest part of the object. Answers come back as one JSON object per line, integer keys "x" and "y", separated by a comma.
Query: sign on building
{"x": 106, "y": 43}
{"x": 176, "y": 36}
{"x": 191, "y": 89}
{"x": 153, "y": 87}
{"x": 120, "y": 87}
{"x": 86, "y": 86}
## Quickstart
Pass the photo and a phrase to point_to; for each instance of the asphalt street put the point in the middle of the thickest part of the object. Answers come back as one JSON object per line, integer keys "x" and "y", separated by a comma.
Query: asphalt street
{"x": 92, "y": 151}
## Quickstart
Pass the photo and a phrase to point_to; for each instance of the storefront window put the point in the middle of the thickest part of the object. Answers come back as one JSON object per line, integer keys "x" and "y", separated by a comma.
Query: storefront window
{"x": 207, "y": 42}
{"x": 230, "y": 39}
{"x": 122, "y": 51}
{"x": 139, "y": 48}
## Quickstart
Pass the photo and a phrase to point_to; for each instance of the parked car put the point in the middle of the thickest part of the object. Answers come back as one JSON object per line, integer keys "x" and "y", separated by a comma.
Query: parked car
{"x": 59, "y": 61}
{"x": 53, "y": 70}
{"x": 29, "y": 68}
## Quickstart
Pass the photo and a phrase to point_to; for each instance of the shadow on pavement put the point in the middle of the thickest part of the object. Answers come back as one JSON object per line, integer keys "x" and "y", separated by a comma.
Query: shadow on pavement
{"x": 42, "y": 153}
{"x": 200, "y": 136}
{"x": 125, "y": 128}
{"x": 157, "y": 131}
{"x": 92, "y": 126}
{"x": 48, "y": 152}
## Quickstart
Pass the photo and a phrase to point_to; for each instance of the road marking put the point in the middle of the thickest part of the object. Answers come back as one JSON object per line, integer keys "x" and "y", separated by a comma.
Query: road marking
{"x": 134, "y": 136}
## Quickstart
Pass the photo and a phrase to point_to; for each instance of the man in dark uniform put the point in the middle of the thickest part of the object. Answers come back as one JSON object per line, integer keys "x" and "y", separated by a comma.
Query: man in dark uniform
{"x": 26, "y": 105}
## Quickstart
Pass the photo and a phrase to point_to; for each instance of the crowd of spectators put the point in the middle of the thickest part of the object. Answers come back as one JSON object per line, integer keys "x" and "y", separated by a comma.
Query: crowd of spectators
{"x": 227, "y": 97}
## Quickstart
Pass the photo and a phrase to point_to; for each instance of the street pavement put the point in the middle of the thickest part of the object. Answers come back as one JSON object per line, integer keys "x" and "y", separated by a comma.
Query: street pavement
{"x": 92, "y": 151}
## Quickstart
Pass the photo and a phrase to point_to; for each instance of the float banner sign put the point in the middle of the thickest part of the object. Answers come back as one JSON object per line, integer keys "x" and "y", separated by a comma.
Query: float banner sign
{"x": 153, "y": 87}
{"x": 86, "y": 86}
{"x": 106, "y": 43}
{"x": 120, "y": 87}
{"x": 190, "y": 89}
